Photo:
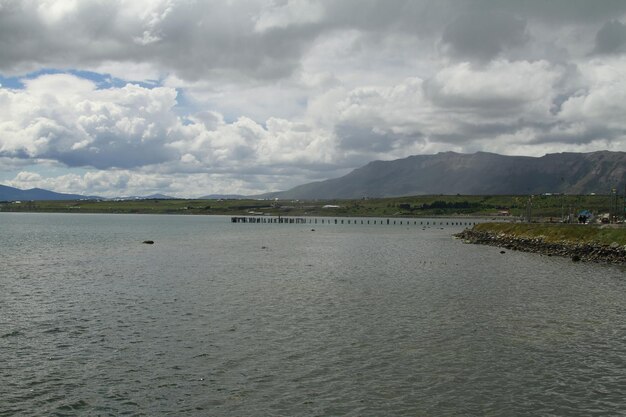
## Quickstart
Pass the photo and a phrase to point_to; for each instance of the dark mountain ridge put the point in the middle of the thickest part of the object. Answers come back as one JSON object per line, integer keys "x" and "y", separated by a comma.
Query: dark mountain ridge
{"x": 480, "y": 173}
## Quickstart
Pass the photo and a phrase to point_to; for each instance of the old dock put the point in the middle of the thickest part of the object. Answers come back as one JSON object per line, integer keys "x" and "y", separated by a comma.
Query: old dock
{"x": 346, "y": 220}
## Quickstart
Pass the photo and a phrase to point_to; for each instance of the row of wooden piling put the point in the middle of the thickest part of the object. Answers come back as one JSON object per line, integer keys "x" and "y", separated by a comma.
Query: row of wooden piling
{"x": 309, "y": 220}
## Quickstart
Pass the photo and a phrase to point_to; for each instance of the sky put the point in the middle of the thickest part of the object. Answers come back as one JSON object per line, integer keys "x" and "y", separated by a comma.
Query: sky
{"x": 196, "y": 97}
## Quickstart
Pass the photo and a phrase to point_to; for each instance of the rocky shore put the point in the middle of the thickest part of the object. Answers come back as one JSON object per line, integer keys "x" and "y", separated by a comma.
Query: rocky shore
{"x": 588, "y": 252}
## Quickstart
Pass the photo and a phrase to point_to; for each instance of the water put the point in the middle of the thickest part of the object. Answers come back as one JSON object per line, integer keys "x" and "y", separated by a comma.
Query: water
{"x": 224, "y": 319}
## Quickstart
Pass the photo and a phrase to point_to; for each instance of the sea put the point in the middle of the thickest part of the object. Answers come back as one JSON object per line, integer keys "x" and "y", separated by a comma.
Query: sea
{"x": 238, "y": 319}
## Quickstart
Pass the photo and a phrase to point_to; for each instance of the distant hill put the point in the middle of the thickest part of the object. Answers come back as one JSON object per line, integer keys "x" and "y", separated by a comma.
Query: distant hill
{"x": 222, "y": 197}
{"x": 15, "y": 194}
{"x": 145, "y": 197}
{"x": 159, "y": 197}
{"x": 480, "y": 173}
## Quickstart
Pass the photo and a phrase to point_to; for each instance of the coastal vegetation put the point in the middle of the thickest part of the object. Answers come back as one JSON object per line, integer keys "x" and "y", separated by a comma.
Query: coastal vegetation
{"x": 552, "y": 233}
{"x": 595, "y": 243}
{"x": 550, "y": 208}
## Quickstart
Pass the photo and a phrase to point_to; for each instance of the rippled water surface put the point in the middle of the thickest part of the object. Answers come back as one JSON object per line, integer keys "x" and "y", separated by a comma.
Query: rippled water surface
{"x": 222, "y": 319}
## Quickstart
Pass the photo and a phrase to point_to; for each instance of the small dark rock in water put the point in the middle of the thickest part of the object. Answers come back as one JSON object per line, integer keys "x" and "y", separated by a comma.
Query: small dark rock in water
{"x": 502, "y": 251}
{"x": 312, "y": 230}
{"x": 263, "y": 247}
{"x": 148, "y": 242}
{"x": 576, "y": 258}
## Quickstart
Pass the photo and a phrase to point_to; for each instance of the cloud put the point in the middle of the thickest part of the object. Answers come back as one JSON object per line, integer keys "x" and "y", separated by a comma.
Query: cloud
{"x": 468, "y": 108}
{"x": 292, "y": 12}
{"x": 603, "y": 101}
{"x": 120, "y": 183}
{"x": 500, "y": 88}
{"x": 192, "y": 39}
{"x": 483, "y": 36}
{"x": 257, "y": 41}
{"x": 67, "y": 120}
{"x": 611, "y": 38}
{"x": 64, "y": 118}
{"x": 250, "y": 96}
{"x": 560, "y": 11}
{"x": 101, "y": 183}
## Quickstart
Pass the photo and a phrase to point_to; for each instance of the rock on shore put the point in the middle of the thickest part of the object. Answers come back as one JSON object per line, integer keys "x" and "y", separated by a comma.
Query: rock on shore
{"x": 588, "y": 252}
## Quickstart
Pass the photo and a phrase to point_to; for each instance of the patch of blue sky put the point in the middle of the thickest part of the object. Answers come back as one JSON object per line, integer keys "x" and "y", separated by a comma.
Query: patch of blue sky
{"x": 45, "y": 170}
{"x": 56, "y": 171}
{"x": 184, "y": 106}
{"x": 102, "y": 81}
{"x": 107, "y": 81}
{"x": 13, "y": 83}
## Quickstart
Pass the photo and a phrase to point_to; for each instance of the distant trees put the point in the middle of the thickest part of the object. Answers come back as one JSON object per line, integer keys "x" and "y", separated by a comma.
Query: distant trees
{"x": 450, "y": 205}
{"x": 441, "y": 206}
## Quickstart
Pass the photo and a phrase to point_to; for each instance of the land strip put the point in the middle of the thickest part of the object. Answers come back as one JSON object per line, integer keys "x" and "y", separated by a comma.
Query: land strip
{"x": 592, "y": 243}
{"x": 544, "y": 207}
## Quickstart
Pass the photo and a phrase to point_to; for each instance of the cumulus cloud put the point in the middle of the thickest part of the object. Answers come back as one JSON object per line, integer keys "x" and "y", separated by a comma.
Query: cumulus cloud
{"x": 100, "y": 183}
{"x": 601, "y": 106}
{"x": 252, "y": 96}
{"x": 65, "y": 119}
{"x": 132, "y": 183}
{"x": 501, "y": 88}
{"x": 62, "y": 117}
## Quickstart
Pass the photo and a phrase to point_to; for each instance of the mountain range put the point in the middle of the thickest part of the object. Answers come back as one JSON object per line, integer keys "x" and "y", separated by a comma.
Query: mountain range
{"x": 480, "y": 173}
{"x": 14, "y": 194}
{"x": 448, "y": 173}
{"x": 38, "y": 194}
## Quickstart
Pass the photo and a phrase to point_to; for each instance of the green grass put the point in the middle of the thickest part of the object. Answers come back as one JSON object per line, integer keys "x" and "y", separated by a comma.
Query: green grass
{"x": 543, "y": 207}
{"x": 574, "y": 233}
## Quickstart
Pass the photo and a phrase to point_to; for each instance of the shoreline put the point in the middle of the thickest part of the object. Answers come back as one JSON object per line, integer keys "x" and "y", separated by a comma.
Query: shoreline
{"x": 493, "y": 207}
{"x": 242, "y": 214}
{"x": 588, "y": 250}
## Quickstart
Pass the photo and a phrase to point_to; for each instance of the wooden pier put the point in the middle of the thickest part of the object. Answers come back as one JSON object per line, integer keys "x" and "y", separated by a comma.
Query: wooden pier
{"x": 353, "y": 221}
{"x": 268, "y": 219}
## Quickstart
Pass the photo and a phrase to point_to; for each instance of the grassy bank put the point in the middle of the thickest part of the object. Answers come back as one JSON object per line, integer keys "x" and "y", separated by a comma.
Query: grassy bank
{"x": 559, "y": 233}
{"x": 551, "y": 207}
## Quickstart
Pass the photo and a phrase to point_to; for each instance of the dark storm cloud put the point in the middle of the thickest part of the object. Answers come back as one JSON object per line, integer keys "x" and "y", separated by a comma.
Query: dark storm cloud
{"x": 193, "y": 39}
{"x": 611, "y": 38}
{"x": 89, "y": 34}
{"x": 476, "y": 131}
{"x": 431, "y": 16}
{"x": 556, "y": 11}
{"x": 116, "y": 154}
{"x": 486, "y": 104}
{"x": 226, "y": 42}
{"x": 208, "y": 39}
{"x": 483, "y": 35}
{"x": 362, "y": 139}
{"x": 580, "y": 137}
{"x": 106, "y": 151}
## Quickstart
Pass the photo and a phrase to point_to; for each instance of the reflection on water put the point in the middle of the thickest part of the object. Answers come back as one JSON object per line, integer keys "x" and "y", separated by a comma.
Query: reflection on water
{"x": 239, "y": 319}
